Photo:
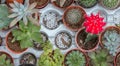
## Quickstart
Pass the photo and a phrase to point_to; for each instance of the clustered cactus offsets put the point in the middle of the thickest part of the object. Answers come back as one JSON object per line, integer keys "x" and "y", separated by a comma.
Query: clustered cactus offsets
{"x": 110, "y": 3}
{"x": 111, "y": 40}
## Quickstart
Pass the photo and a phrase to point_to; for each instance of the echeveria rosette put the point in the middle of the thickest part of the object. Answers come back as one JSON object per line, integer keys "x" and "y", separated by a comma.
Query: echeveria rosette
{"x": 94, "y": 24}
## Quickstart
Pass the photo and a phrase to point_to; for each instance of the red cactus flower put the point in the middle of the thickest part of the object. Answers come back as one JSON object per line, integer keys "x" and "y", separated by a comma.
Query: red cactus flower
{"x": 94, "y": 24}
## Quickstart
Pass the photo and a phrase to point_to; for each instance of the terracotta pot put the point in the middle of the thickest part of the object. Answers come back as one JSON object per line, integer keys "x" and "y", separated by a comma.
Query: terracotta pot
{"x": 76, "y": 49}
{"x": 11, "y": 59}
{"x": 57, "y": 5}
{"x": 108, "y": 28}
{"x": 117, "y": 5}
{"x": 82, "y": 48}
{"x": 76, "y": 26}
{"x": 40, "y": 5}
{"x": 7, "y": 46}
{"x": 115, "y": 59}
{"x": 11, "y": 1}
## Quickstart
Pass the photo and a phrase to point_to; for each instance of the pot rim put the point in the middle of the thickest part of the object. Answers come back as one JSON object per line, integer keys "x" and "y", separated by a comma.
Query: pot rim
{"x": 115, "y": 59}
{"x": 6, "y": 42}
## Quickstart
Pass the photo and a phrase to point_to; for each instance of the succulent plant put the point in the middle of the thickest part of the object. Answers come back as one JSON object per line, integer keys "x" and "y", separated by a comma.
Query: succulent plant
{"x": 74, "y": 16}
{"x": 75, "y": 58}
{"x": 4, "y": 20}
{"x": 111, "y": 40}
{"x": 27, "y": 34}
{"x": 101, "y": 57}
{"x": 87, "y": 3}
{"x": 110, "y": 3}
{"x": 24, "y": 12}
{"x": 50, "y": 57}
{"x": 4, "y": 62}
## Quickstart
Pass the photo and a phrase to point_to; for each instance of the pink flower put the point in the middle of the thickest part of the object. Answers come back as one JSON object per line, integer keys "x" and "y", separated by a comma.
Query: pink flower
{"x": 94, "y": 24}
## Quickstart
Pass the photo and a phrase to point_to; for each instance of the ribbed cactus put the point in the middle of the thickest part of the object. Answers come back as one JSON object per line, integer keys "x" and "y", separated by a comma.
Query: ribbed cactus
{"x": 74, "y": 16}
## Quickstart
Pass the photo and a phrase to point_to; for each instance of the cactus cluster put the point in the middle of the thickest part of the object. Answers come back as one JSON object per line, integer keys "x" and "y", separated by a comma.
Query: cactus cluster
{"x": 112, "y": 41}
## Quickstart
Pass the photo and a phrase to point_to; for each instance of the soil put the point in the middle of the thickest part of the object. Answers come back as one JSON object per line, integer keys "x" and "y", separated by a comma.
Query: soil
{"x": 88, "y": 45}
{"x": 40, "y": 3}
{"x": 8, "y": 57}
{"x": 28, "y": 58}
{"x": 0, "y": 40}
{"x": 63, "y": 40}
{"x": 118, "y": 60}
{"x": 37, "y": 46}
{"x": 66, "y": 4}
{"x": 14, "y": 46}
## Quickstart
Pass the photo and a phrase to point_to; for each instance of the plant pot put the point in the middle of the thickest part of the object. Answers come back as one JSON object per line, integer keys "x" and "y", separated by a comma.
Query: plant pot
{"x": 80, "y": 41}
{"x": 109, "y": 5}
{"x": 113, "y": 43}
{"x": 14, "y": 47}
{"x": 59, "y": 4}
{"x": 50, "y": 19}
{"x": 8, "y": 57}
{"x": 28, "y": 58}
{"x": 87, "y": 3}
{"x": 100, "y": 57}
{"x": 75, "y": 59}
{"x": 1, "y": 40}
{"x": 40, "y": 3}
{"x": 117, "y": 59}
{"x": 63, "y": 40}
{"x": 27, "y": 65}
{"x": 38, "y": 46}
{"x": 74, "y": 17}
{"x": 11, "y": 1}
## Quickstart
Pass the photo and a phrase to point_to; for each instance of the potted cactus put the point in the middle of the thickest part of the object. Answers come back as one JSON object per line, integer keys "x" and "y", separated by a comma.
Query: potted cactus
{"x": 73, "y": 17}
{"x": 87, "y": 38}
{"x": 40, "y": 3}
{"x": 25, "y": 12}
{"x": 100, "y": 57}
{"x": 117, "y": 59}
{"x": 4, "y": 20}
{"x": 75, "y": 57}
{"x": 37, "y": 45}
{"x": 24, "y": 35}
{"x": 63, "y": 40}
{"x": 5, "y": 59}
{"x": 86, "y": 3}
{"x": 28, "y": 58}
{"x": 110, "y": 4}
{"x": 110, "y": 39}
{"x": 50, "y": 57}
{"x": 62, "y": 3}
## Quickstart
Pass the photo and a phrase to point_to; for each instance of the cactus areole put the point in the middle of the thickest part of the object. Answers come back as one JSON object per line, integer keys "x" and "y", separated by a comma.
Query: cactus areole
{"x": 94, "y": 23}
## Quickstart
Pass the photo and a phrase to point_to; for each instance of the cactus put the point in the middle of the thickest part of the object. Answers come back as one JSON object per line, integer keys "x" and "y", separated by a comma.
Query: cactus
{"x": 101, "y": 58}
{"x": 110, "y": 3}
{"x": 75, "y": 58}
{"x": 4, "y": 20}
{"x": 87, "y": 3}
{"x": 112, "y": 41}
{"x": 74, "y": 16}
